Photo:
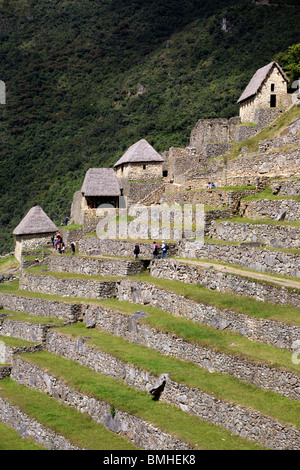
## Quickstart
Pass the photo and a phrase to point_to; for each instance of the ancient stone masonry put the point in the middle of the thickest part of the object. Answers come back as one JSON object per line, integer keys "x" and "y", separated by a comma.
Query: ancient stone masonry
{"x": 29, "y": 428}
{"x": 266, "y": 331}
{"x": 95, "y": 266}
{"x": 224, "y": 282}
{"x": 143, "y": 434}
{"x": 41, "y": 307}
{"x": 245, "y": 255}
{"x": 286, "y": 187}
{"x": 277, "y": 236}
{"x": 288, "y": 209}
{"x": 71, "y": 287}
{"x": 236, "y": 419}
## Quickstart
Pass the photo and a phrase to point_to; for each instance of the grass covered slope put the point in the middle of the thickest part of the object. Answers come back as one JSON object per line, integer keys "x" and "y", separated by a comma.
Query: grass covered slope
{"x": 85, "y": 80}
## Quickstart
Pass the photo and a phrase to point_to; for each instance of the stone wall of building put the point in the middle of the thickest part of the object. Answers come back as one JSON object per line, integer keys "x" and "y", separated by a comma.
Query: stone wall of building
{"x": 288, "y": 209}
{"x": 277, "y": 236}
{"x": 68, "y": 287}
{"x": 275, "y": 333}
{"x": 95, "y": 266}
{"x": 258, "y": 259}
{"x": 224, "y": 282}
{"x": 31, "y": 242}
{"x": 238, "y": 420}
{"x": 143, "y": 434}
{"x": 279, "y": 143}
{"x": 29, "y": 428}
{"x": 213, "y": 131}
{"x": 139, "y": 171}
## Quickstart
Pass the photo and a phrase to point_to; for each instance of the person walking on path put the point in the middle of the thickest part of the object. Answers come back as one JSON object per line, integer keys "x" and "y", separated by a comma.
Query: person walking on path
{"x": 155, "y": 250}
{"x": 73, "y": 247}
{"x": 164, "y": 249}
{"x": 136, "y": 250}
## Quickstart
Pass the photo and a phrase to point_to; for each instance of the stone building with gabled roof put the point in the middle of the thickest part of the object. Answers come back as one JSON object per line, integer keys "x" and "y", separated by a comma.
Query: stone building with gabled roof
{"x": 267, "y": 89}
{"x": 140, "y": 162}
{"x": 34, "y": 231}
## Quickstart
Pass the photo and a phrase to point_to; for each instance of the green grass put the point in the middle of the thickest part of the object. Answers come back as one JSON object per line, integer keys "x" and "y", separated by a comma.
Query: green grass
{"x": 239, "y": 304}
{"x": 221, "y": 386}
{"x": 225, "y": 342}
{"x": 78, "y": 428}
{"x": 15, "y": 342}
{"x": 268, "y": 194}
{"x": 8, "y": 263}
{"x": 268, "y": 133}
{"x": 25, "y": 317}
{"x": 172, "y": 420}
{"x": 11, "y": 440}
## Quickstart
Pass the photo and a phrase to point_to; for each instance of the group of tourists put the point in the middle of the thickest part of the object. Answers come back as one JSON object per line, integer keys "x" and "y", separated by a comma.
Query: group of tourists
{"x": 211, "y": 185}
{"x": 164, "y": 250}
{"x": 59, "y": 246}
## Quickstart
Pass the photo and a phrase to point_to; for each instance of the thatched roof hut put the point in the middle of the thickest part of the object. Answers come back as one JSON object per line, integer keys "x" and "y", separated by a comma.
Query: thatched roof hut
{"x": 36, "y": 221}
{"x": 100, "y": 182}
{"x": 258, "y": 79}
{"x": 140, "y": 152}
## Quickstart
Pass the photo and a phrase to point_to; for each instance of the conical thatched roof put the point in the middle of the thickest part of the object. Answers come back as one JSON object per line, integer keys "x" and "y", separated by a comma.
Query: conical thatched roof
{"x": 35, "y": 221}
{"x": 258, "y": 79}
{"x": 100, "y": 182}
{"x": 140, "y": 152}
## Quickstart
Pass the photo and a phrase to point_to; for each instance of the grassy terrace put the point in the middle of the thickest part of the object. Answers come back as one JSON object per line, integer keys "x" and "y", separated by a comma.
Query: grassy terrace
{"x": 268, "y": 194}
{"x": 267, "y": 133}
{"x": 239, "y": 304}
{"x": 11, "y": 440}
{"x": 224, "y": 341}
{"x": 78, "y": 428}
{"x": 188, "y": 428}
{"x": 25, "y": 317}
{"x": 221, "y": 386}
{"x": 8, "y": 263}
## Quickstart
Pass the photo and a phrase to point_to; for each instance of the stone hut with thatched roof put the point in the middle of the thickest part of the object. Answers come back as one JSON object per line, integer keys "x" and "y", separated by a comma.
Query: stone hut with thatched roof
{"x": 100, "y": 186}
{"x": 140, "y": 162}
{"x": 34, "y": 231}
{"x": 266, "y": 90}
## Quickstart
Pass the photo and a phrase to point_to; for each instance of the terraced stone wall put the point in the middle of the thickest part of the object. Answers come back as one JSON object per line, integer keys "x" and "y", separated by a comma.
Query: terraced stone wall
{"x": 223, "y": 282}
{"x": 278, "y": 236}
{"x": 268, "y": 209}
{"x": 258, "y": 259}
{"x": 94, "y": 266}
{"x": 276, "y": 333}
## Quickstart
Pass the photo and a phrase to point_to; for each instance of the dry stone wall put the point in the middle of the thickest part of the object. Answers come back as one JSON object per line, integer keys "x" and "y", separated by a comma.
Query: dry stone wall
{"x": 143, "y": 434}
{"x": 29, "y": 428}
{"x": 236, "y": 419}
{"x": 278, "y": 236}
{"x": 258, "y": 259}
{"x": 41, "y": 307}
{"x": 275, "y": 333}
{"x": 288, "y": 209}
{"x": 68, "y": 287}
{"x": 224, "y": 282}
{"x": 95, "y": 266}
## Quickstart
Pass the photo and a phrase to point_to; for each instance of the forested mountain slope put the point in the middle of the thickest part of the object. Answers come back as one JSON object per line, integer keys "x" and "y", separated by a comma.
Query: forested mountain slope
{"x": 86, "y": 79}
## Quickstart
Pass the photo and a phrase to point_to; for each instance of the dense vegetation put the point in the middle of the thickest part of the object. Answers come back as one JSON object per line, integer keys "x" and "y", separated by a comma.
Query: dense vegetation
{"x": 73, "y": 71}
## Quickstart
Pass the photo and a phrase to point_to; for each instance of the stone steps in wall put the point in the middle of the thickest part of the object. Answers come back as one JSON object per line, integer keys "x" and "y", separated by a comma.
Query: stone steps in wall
{"x": 258, "y": 428}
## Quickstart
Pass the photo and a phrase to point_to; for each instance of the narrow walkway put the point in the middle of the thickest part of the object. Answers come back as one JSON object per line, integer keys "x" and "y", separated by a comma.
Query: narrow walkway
{"x": 241, "y": 272}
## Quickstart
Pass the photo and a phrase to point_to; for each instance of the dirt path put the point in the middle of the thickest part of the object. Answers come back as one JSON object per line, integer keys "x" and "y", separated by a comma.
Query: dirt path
{"x": 260, "y": 276}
